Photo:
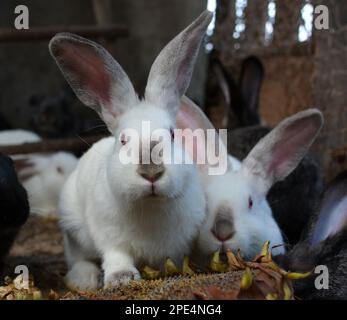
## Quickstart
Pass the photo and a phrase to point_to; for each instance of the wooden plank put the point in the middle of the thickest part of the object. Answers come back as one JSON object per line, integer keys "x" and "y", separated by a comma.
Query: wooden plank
{"x": 255, "y": 18}
{"x": 102, "y": 12}
{"x": 340, "y": 152}
{"x": 71, "y": 144}
{"x": 46, "y": 33}
{"x": 287, "y": 22}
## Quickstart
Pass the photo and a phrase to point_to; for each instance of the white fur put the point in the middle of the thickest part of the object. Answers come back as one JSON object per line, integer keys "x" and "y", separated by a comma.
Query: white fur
{"x": 18, "y": 136}
{"x": 108, "y": 211}
{"x": 44, "y": 187}
{"x": 252, "y": 227}
{"x": 48, "y": 172}
{"x": 228, "y": 196}
{"x": 107, "y": 208}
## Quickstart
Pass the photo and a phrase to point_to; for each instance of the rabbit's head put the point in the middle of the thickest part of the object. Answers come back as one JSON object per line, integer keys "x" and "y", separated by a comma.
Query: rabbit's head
{"x": 141, "y": 127}
{"x": 44, "y": 176}
{"x": 239, "y": 216}
{"x": 51, "y": 116}
{"x": 59, "y": 167}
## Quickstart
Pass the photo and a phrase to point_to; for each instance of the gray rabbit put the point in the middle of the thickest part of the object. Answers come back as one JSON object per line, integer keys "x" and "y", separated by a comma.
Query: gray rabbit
{"x": 324, "y": 245}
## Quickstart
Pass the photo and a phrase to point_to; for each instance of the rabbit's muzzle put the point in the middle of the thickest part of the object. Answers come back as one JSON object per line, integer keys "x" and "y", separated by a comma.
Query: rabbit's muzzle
{"x": 153, "y": 170}
{"x": 223, "y": 227}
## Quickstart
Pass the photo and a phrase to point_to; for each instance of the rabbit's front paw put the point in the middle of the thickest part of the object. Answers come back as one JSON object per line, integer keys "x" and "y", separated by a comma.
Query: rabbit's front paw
{"x": 83, "y": 275}
{"x": 120, "y": 278}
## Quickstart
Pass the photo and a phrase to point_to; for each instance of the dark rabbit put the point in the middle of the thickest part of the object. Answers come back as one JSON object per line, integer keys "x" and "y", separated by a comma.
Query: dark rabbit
{"x": 52, "y": 116}
{"x": 325, "y": 244}
{"x": 300, "y": 191}
{"x": 4, "y": 124}
{"x": 14, "y": 206}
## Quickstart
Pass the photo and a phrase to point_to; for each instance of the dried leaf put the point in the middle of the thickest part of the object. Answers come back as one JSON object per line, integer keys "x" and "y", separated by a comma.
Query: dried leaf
{"x": 186, "y": 269}
{"x": 216, "y": 264}
{"x": 233, "y": 261}
{"x": 288, "y": 294}
{"x": 37, "y": 295}
{"x": 53, "y": 295}
{"x": 215, "y": 293}
{"x": 4, "y": 291}
{"x": 265, "y": 248}
{"x": 247, "y": 279}
{"x": 297, "y": 275}
{"x": 271, "y": 296}
{"x": 148, "y": 273}
{"x": 17, "y": 290}
{"x": 170, "y": 268}
{"x": 265, "y": 254}
{"x": 201, "y": 295}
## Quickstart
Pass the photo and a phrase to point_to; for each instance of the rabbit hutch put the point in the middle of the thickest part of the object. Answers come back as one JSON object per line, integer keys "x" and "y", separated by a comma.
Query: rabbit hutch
{"x": 304, "y": 67}
{"x": 274, "y": 58}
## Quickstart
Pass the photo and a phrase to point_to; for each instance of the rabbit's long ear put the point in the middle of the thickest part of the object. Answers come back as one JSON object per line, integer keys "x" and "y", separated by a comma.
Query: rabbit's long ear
{"x": 226, "y": 83}
{"x": 172, "y": 70}
{"x": 231, "y": 94}
{"x": 207, "y": 145}
{"x": 276, "y": 155}
{"x": 251, "y": 78}
{"x": 96, "y": 78}
{"x": 332, "y": 215}
{"x": 25, "y": 168}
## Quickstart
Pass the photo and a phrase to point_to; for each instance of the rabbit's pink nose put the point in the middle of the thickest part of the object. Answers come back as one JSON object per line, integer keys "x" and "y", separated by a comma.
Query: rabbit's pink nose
{"x": 223, "y": 229}
{"x": 152, "y": 177}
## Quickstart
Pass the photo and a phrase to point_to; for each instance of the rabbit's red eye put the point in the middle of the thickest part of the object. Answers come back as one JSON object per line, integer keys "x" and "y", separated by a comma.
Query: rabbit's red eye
{"x": 250, "y": 203}
{"x": 172, "y": 134}
{"x": 123, "y": 140}
{"x": 60, "y": 170}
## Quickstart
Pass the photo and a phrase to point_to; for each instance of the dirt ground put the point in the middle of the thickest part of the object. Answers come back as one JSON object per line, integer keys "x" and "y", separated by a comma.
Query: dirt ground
{"x": 39, "y": 247}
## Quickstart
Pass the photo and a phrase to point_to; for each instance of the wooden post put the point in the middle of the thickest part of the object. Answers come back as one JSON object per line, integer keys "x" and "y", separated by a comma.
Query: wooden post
{"x": 102, "y": 12}
{"x": 288, "y": 18}
{"x": 255, "y": 16}
{"x": 103, "y": 17}
{"x": 225, "y": 24}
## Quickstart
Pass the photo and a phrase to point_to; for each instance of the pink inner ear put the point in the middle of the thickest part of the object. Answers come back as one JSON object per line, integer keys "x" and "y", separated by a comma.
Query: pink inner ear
{"x": 189, "y": 117}
{"x": 87, "y": 69}
{"x": 288, "y": 151}
{"x": 185, "y": 118}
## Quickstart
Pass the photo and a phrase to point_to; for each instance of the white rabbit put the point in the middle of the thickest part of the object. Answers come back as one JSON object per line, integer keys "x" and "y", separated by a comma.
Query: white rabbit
{"x": 17, "y": 136}
{"x": 238, "y": 214}
{"x": 120, "y": 214}
{"x": 42, "y": 175}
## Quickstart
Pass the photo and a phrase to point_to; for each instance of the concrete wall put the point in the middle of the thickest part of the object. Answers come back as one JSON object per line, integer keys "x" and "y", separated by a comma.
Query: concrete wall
{"x": 27, "y": 69}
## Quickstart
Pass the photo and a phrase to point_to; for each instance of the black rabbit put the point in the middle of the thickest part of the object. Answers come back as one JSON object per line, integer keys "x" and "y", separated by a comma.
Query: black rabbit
{"x": 52, "y": 116}
{"x": 4, "y": 124}
{"x": 14, "y": 206}
{"x": 293, "y": 200}
{"x": 325, "y": 244}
